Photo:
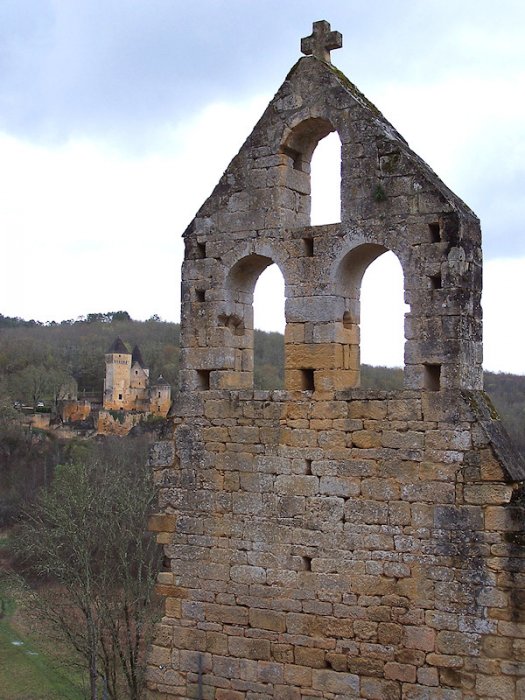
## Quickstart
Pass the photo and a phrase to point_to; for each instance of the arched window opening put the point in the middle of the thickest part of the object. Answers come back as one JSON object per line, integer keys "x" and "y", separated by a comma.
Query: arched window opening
{"x": 370, "y": 280}
{"x": 382, "y": 324}
{"x": 325, "y": 175}
{"x": 297, "y": 152}
{"x": 269, "y": 324}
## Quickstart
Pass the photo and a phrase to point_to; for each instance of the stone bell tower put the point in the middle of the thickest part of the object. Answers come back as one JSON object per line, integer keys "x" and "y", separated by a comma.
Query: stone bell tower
{"x": 326, "y": 541}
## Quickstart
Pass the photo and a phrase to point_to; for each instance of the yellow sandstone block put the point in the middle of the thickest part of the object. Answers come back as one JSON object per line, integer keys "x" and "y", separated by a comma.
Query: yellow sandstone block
{"x": 163, "y": 538}
{"x": 162, "y": 523}
{"x": 173, "y": 607}
{"x": 294, "y": 333}
{"x": 351, "y": 357}
{"x": 231, "y": 380}
{"x": 295, "y": 380}
{"x": 314, "y": 356}
{"x": 336, "y": 380}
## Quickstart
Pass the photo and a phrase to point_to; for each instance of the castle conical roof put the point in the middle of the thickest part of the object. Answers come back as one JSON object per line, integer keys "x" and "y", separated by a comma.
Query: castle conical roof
{"x": 160, "y": 381}
{"x": 136, "y": 356}
{"x": 118, "y": 347}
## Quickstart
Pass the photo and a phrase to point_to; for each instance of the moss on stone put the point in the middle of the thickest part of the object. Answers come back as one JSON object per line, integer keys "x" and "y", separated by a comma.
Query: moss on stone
{"x": 354, "y": 90}
{"x": 379, "y": 193}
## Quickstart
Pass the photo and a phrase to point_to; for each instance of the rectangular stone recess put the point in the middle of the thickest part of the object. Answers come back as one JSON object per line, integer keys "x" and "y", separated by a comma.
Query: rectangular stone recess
{"x": 307, "y": 379}
{"x": 432, "y": 377}
{"x": 435, "y": 281}
{"x": 337, "y": 545}
{"x": 203, "y": 378}
{"x": 200, "y": 250}
{"x": 435, "y": 232}
{"x": 308, "y": 244}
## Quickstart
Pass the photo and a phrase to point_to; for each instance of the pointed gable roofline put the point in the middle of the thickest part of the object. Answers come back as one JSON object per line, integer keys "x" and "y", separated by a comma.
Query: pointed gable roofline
{"x": 118, "y": 347}
{"x": 136, "y": 356}
{"x": 307, "y": 79}
{"x": 391, "y": 200}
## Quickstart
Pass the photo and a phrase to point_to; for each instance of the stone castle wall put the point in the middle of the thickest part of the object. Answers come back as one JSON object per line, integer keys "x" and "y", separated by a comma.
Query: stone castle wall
{"x": 108, "y": 424}
{"x": 117, "y": 381}
{"x": 337, "y": 545}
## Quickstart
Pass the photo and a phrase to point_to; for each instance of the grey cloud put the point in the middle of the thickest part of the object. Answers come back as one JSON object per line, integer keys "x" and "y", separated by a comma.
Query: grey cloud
{"x": 124, "y": 69}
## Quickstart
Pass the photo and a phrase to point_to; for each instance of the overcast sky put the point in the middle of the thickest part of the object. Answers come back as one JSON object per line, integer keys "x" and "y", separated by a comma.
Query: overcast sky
{"x": 117, "y": 118}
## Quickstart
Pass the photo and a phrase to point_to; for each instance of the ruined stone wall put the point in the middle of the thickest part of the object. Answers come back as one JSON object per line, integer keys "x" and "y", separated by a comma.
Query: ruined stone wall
{"x": 259, "y": 215}
{"x": 71, "y": 411}
{"x": 337, "y": 545}
{"x": 326, "y": 542}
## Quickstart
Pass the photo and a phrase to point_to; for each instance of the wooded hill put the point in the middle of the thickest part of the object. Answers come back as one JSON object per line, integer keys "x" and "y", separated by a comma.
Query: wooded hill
{"x": 36, "y": 359}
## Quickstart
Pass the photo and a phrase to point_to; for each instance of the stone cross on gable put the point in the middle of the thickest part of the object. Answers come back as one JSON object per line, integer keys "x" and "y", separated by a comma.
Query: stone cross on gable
{"x": 321, "y": 41}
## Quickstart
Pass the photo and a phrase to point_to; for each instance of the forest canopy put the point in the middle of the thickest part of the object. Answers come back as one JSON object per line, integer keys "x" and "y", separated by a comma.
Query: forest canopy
{"x": 37, "y": 359}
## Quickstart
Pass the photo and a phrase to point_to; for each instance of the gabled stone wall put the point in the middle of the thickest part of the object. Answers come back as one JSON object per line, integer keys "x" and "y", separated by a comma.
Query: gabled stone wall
{"x": 259, "y": 215}
{"x": 327, "y": 542}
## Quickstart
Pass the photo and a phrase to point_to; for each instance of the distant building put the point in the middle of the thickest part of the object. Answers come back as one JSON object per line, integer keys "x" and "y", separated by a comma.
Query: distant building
{"x": 127, "y": 389}
{"x": 127, "y": 385}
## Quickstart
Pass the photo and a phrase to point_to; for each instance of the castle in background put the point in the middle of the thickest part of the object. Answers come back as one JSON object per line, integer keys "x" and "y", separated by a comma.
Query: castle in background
{"x": 127, "y": 386}
{"x": 128, "y": 395}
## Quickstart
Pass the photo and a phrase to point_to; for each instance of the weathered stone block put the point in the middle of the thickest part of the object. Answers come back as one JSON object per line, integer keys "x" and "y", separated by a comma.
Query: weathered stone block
{"x": 249, "y": 648}
{"x": 228, "y": 694}
{"x": 335, "y": 380}
{"x": 296, "y": 674}
{"x": 488, "y": 494}
{"x": 162, "y": 454}
{"x": 419, "y": 638}
{"x": 162, "y": 523}
{"x": 310, "y": 657}
{"x": 376, "y": 410}
{"x": 445, "y": 660}
{"x": 346, "y": 684}
{"x": 379, "y": 689}
{"x": 406, "y": 673}
{"x": 267, "y": 620}
{"x": 297, "y": 485}
{"x": 314, "y": 356}
{"x": 495, "y": 687}
{"x": 366, "y": 439}
{"x": 321, "y": 309}
{"x": 389, "y": 633}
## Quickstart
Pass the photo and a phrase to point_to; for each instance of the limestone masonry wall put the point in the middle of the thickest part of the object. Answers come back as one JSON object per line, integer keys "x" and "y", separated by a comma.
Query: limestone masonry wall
{"x": 338, "y": 545}
{"x": 324, "y": 542}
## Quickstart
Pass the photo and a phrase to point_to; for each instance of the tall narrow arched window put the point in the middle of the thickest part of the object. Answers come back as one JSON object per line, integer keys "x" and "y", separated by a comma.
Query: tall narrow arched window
{"x": 325, "y": 174}
{"x": 373, "y": 321}
{"x": 269, "y": 324}
{"x": 297, "y": 153}
{"x": 382, "y": 323}
{"x": 237, "y": 326}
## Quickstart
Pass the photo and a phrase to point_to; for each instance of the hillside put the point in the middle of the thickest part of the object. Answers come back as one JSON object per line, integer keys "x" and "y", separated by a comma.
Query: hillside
{"x": 35, "y": 359}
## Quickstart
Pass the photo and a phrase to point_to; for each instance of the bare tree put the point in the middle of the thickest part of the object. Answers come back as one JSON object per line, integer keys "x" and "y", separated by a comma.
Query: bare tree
{"x": 86, "y": 536}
